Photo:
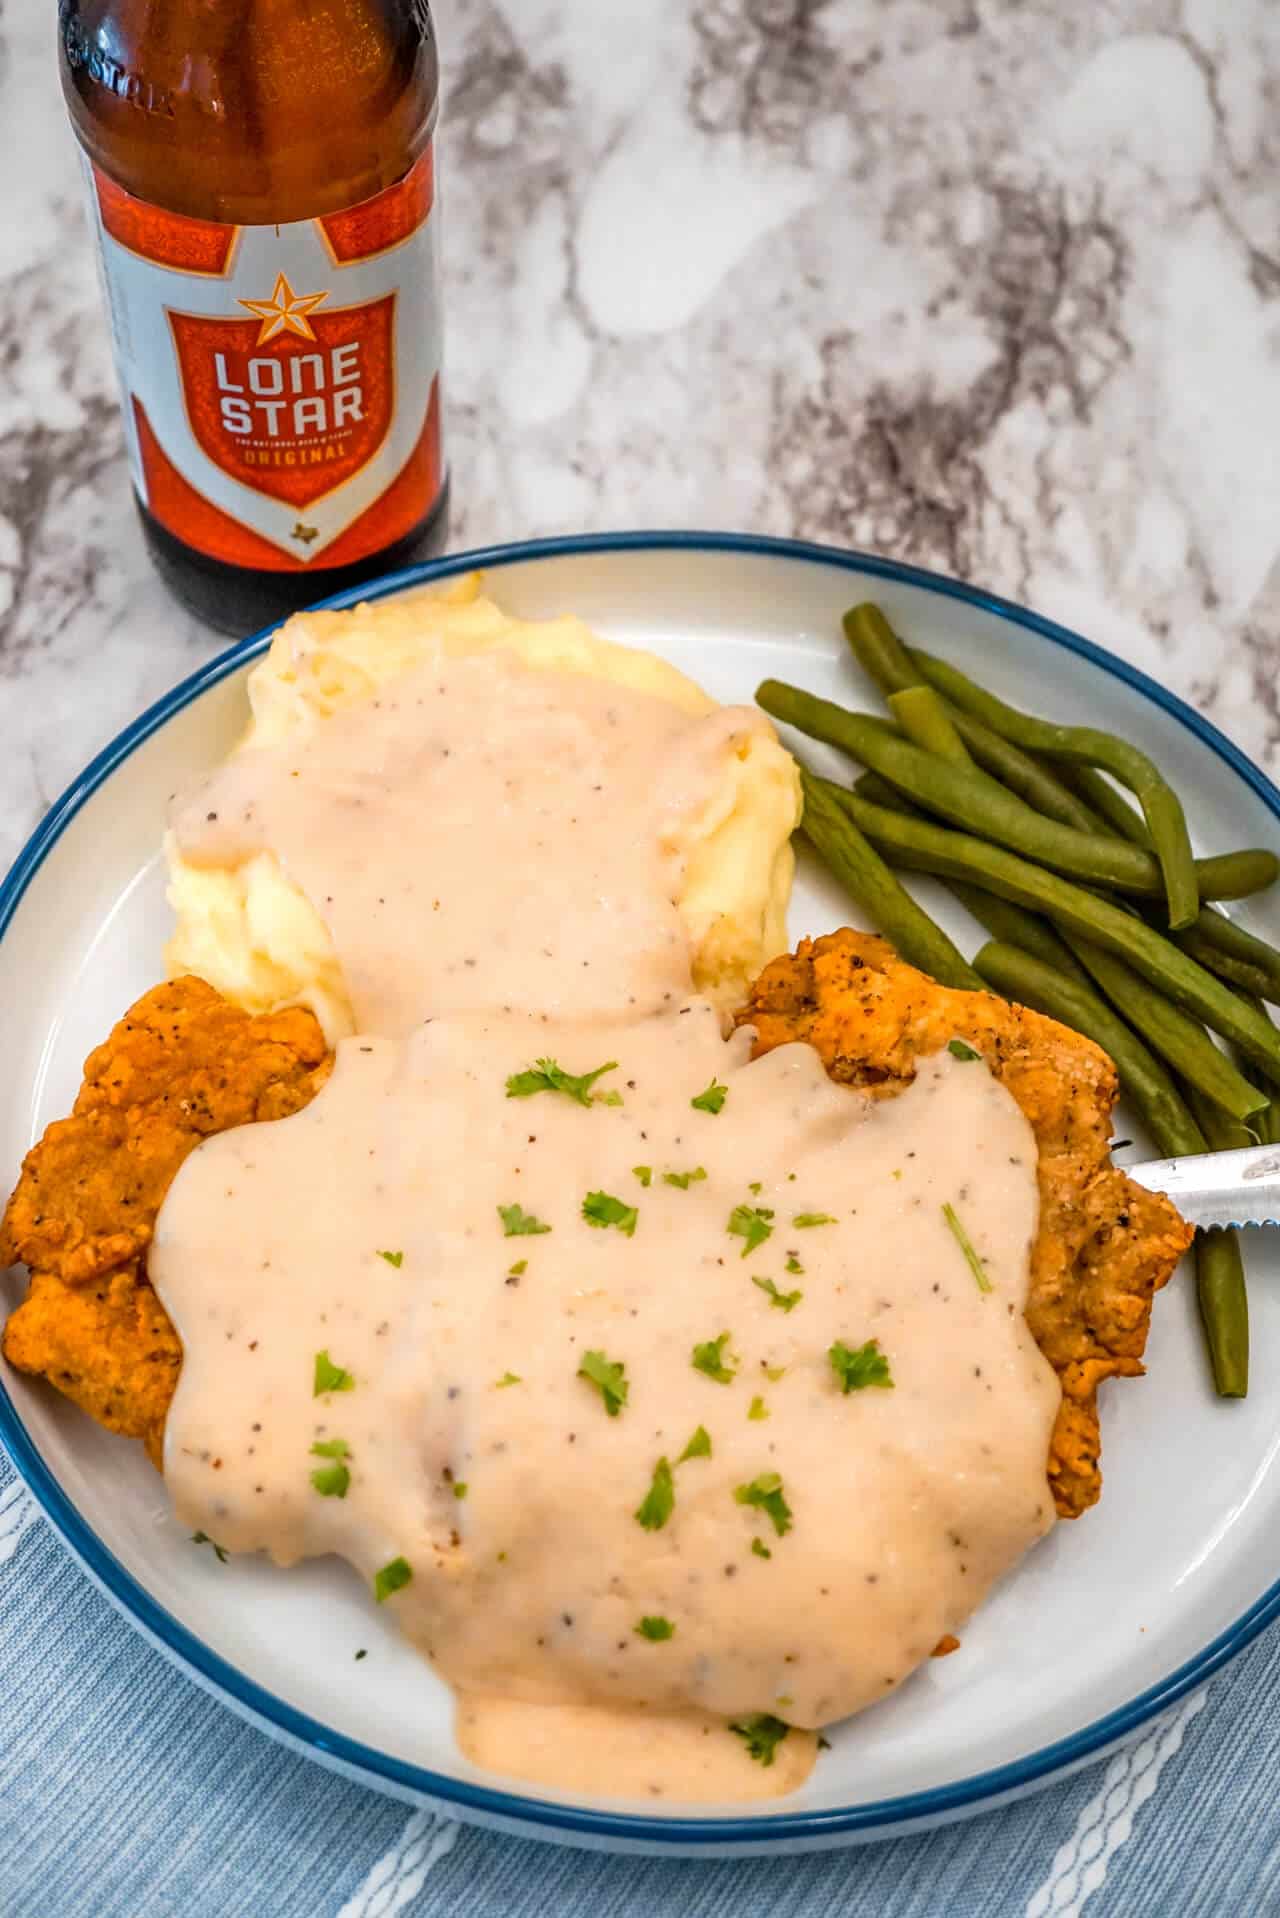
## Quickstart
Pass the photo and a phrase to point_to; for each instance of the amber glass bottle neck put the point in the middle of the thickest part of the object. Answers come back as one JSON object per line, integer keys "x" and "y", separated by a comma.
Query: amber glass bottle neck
{"x": 250, "y": 111}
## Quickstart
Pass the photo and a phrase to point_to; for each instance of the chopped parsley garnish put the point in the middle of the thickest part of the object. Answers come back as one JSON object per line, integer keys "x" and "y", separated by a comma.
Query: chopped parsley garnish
{"x": 519, "y": 1224}
{"x": 959, "y": 1050}
{"x": 393, "y": 1258}
{"x": 752, "y": 1223}
{"x": 685, "y": 1179}
{"x": 330, "y": 1377}
{"x": 658, "y": 1503}
{"x": 712, "y": 1100}
{"x": 793, "y": 1263}
{"x": 760, "y": 1549}
{"x": 220, "y": 1552}
{"x": 775, "y": 1372}
{"x": 611, "y": 1377}
{"x": 699, "y": 1445}
{"x": 785, "y": 1301}
{"x": 965, "y": 1243}
{"x": 755, "y": 1187}
{"x": 655, "y": 1629}
{"x": 362, "y": 1653}
{"x": 644, "y": 1173}
{"x": 757, "y": 1409}
{"x": 602, "y": 1209}
{"x": 508, "y": 1378}
{"x": 860, "y": 1366}
{"x": 391, "y": 1578}
{"x": 518, "y": 1270}
{"x": 546, "y": 1076}
{"x": 763, "y": 1733}
{"x": 331, "y": 1481}
{"x": 765, "y": 1493}
{"x": 709, "y": 1358}
{"x": 803, "y": 1219}
{"x": 460, "y": 1488}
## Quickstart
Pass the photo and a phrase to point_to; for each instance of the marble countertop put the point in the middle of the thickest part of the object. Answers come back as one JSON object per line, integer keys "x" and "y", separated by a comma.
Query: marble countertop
{"x": 991, "y": 288}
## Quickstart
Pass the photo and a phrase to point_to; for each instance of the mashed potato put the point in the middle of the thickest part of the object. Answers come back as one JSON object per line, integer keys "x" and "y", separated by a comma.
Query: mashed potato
{"x": 251, "y": 933}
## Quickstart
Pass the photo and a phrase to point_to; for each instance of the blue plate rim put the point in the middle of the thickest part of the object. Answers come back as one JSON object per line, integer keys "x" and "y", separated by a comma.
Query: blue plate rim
{"x": 542, "y": 1817}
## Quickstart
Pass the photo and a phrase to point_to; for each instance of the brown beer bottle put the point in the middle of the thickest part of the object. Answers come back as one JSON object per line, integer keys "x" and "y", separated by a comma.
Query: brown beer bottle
{"x": 262, "y": 187}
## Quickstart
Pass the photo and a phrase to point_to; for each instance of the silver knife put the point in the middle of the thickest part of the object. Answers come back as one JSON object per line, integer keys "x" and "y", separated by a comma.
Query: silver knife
{"x": 1218, "y": 1188}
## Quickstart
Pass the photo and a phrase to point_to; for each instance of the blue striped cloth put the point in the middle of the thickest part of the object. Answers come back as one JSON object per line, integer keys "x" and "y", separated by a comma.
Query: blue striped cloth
{"x": 125, "y": 1792}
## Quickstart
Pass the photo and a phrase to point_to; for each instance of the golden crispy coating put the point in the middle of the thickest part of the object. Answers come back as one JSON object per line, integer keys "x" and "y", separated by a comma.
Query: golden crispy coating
{"x": 107, "y": 1344}
{"x": 181, "y": 1065}
{"x": 1104, "y": 1245}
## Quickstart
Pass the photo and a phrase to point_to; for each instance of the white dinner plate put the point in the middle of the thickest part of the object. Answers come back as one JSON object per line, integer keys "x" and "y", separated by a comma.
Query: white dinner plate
{"x": 1106, "y": 1622}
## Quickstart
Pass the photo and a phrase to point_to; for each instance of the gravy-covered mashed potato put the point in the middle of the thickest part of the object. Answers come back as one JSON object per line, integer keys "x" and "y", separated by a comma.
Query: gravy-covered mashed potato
{"x": 251, "y": 932}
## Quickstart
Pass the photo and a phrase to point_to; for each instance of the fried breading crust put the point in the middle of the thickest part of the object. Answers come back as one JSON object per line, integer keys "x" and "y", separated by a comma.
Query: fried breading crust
{"x": 181, "y": 1065}
{"x": 107, "y": 1344}
{"x": 1104, "y": 1245}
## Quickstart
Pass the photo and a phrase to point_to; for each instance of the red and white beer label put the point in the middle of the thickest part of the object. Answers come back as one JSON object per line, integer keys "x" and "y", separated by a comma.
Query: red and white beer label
{"x": 281, "y": 383}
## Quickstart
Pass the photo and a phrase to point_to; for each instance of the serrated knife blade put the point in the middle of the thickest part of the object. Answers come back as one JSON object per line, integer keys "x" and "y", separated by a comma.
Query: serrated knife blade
{"x": 1218, "y": 1188}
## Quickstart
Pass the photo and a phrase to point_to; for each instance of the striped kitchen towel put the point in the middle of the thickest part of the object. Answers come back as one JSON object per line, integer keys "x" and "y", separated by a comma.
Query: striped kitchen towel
{"x": 126, "y": 1792}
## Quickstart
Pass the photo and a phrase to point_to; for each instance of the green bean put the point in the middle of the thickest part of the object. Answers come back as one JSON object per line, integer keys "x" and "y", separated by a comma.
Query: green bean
{"x": 924, "y": 719}
{"x": 1170, "y": 1031}
{"x": 1220, "y": 1281}
{"x": 929, "y": 848}
{"x": 1097, "y": 791}
{"x": 864, "y": 874}
{"x": 1147, "y": 1082}
{"x": 1000, "y": 917}
{"x": 977, "y": 802}
{"x": 1232, "y": 939}
{"x": 1051, "y": 959}
{"x": 1268, "y": 1122}
{"x": 1161, "y": 807}
{"x": 878, "y": 650}
{"x": 881, "y": 793}
{"x": 1264, "y": 1124}
{"x": 1011, "y": 925}
{"x": 1224, "y": 1310}
{"x": 1237, "y": 972}
{"x": 884, "y": 659}
{"x": 1215, "y": 941}
{"x": 1237, "y": 875}
{"x": 1222, "y": 1132}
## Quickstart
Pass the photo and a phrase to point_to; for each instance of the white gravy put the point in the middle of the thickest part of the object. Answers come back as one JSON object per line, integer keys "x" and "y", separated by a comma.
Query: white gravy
{"x": 812, "y": 1559}
{"x": 482, "y": 833}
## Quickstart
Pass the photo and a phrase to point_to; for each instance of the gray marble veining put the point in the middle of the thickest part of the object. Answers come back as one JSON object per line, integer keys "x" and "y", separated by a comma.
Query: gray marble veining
{"x": 993, "y": 288}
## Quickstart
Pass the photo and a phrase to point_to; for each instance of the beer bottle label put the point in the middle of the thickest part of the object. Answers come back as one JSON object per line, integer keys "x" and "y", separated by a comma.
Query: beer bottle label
{"x": 281, "y": 384}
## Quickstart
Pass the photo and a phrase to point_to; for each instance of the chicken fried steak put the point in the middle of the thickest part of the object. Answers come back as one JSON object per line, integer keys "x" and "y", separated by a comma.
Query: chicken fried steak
{"x": 185, "y": 1064}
